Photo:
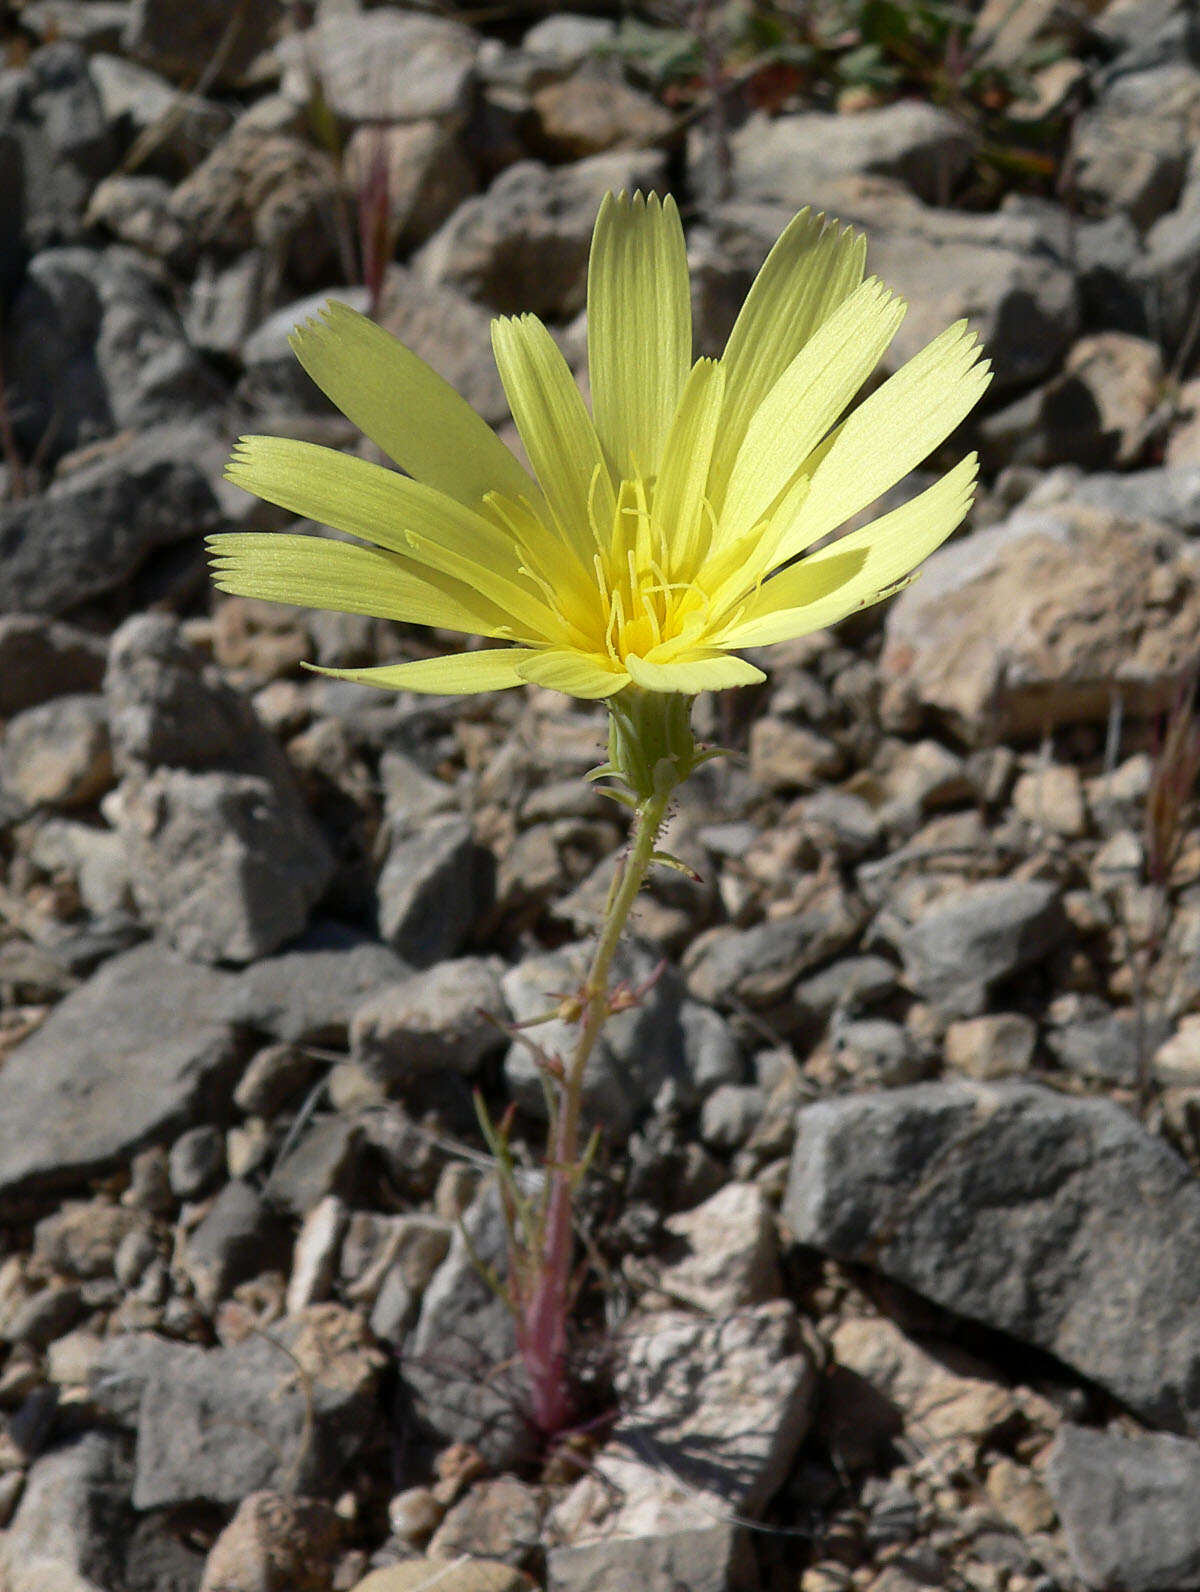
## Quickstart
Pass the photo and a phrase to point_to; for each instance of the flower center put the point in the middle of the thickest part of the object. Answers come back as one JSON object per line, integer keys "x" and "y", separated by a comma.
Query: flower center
{"x": 643, "y": 600}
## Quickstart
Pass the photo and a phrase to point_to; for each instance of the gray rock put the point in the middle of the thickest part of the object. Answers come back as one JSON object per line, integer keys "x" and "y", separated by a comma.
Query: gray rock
{"x": 459, "y": 1367}
{"x": 216, "y": 1424}
{"x": 876, "y": 1051}
{"x": 136, "y": 100}
{"x": 760, "y": 966}
{"x": 1057, "y": 1220}
{"x": 94, "y": 346}
{"x": 125, "y": 1364}
{"x": 52, "y": 113}
{"x": 1128, "y": 1506}
{"x": 637, "y": 1050}
{"x": 46, "y": 1315}
{"x": 711, "y": 1052}
{"x": 851, "y": 985}
{"x": 1128, "y": 163}
{"x": 968, "y": 939}
{"x": 1007, "y": 273}
{"x": 239, "y": 1237}
{"x": 791, "y": 157}
{"x": 430, "y": 891}
{"x": 41, "y": 659}
{"x": 126, "y": 1059}
{"x": 196, "y": 1161}
{"x": 1109, "y": 1047}
{"x": 447, "y": 1018}
{"x": 57, "y": 754}
{"x": 95, "y": 859}
{"x": 226, "y": 866}
{"x": 69, "y": 1531}
{"x": 309, "y": 994}
{"x": 730, "y": 1115}
{"x": 523, "y": 245}
{"x": 705, "y": 1558}
{"x": 1168, "y": 495}
{"x": 185, "y": 42}
{"x": 384, "y": 65}
{"x": 167, "y": 707}
{"x": 1169, "y": 274}
{"x": 323, "y": 1161}
{"x": 95, "y": 528}
{"x": 568, "y": 40}
{"x": 225, "y": 302}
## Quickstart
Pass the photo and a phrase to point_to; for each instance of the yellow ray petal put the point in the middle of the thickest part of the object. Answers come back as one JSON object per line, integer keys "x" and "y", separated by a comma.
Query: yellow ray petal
{"x": 555, "y": 427}
{"x": 453, "y": 674}
{"x": 699, "y": 671}
{"x": 405, "y": 407}
{"x": 889, "y": 434}
{"x": 394, "y": 512}
{"x": 806, "y": 400}
{"x": 315, "y": 573}
{"x": 814, "y": 266}
{"x": 578, "y": 674}
{"x": 827, "y": 586}
{"x": 639, "y": 328}
{"x": 679, "y": 494}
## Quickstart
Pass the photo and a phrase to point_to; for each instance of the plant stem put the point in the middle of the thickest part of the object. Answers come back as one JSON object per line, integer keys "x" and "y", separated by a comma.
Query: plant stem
{"x": 542, "y": 1327}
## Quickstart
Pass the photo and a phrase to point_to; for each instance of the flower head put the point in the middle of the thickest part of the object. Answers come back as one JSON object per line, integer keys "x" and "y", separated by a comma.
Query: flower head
{"x": 659, "y": 534}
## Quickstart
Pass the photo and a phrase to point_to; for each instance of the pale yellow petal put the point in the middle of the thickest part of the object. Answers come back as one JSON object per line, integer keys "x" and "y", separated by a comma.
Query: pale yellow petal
{"x": 453, "y": 674}
{"x": 699, "y": 671}
{"x": 811, "y": 269}
{"x": 405, "y": 407}
{"x": 889, "y": 434}
{"x": 556, "y": 429}
{"x": 639, "y": 328}
{"x": 312, "y": 572}
{"x": 857, "y": 570}
{"x": 806, "y": 401}
{"x": 679, "y": 493}
{"x": 392, "y": 511}
{"x": 578, "y": 674}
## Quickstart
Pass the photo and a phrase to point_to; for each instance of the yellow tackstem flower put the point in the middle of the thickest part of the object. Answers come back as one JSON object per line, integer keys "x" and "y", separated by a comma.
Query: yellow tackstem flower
{"x": 656, "y": 535}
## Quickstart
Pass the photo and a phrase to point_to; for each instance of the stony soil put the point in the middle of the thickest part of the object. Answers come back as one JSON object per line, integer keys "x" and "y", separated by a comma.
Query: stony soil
{"x": 893, "y": 1238}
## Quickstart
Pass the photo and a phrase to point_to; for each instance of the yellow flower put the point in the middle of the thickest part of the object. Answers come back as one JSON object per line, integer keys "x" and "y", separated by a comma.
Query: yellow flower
{"x": 657, "y": 535}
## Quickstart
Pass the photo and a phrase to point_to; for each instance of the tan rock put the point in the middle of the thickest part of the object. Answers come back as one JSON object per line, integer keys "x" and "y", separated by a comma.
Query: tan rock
{"x": 1122, "y": 377}
{"x": 939, "y": 1398}
{"x": 1020, "y": 1497}
{"x": 275, "y": 1544}
{"x": 1177, "y": 1060}
{"x": 1052, "y": 798}
{"x": 998, "y": 1045}
{"x": 1183, "y": 445}
{"x": 730, "y": 1259}
{"x": 1043, "y": 620}
{"x": 446, "y": 1575}
{"x": 589, "y": 113}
